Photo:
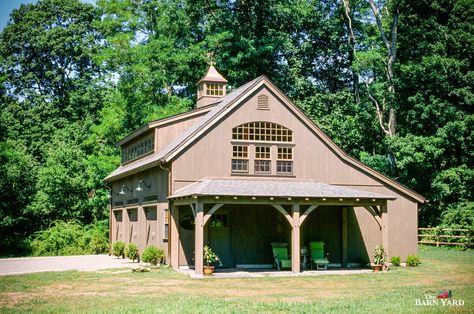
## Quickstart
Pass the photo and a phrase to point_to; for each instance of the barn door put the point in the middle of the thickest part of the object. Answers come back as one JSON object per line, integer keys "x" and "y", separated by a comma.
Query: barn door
{"x": 219, "y": 237}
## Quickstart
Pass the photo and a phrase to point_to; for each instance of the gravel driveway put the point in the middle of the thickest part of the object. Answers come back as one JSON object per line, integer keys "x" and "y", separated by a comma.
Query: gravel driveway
{"x": 23, "y": 265}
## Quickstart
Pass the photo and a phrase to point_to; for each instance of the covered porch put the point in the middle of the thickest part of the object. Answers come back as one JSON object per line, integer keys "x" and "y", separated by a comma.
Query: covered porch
{"x": 241, "y": 217}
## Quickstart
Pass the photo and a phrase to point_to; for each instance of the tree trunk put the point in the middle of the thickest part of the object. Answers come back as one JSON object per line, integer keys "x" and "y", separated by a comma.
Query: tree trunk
{"x": 351, "y": 41}
{"x": 391, "y": 57}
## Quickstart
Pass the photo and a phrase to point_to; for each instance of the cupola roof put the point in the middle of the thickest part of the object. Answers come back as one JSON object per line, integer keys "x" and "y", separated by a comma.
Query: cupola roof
{"x": 213, "y": 76}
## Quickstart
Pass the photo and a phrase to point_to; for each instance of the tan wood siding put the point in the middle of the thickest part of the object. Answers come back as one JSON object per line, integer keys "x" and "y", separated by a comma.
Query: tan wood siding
{"x": 211, "y": 156}
{"x": 138, "y": 201}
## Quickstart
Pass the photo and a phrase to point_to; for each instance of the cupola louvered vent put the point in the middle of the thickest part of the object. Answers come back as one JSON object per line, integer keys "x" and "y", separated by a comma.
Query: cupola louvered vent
{"x": 262, "y": 102}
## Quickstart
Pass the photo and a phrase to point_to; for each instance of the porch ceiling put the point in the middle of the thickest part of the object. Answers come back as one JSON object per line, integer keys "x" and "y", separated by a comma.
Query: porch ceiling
{"x": 273, "y": 188}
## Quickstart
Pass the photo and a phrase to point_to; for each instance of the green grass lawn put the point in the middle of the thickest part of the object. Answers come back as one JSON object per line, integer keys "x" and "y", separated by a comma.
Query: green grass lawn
{"x": 165, "y": 291}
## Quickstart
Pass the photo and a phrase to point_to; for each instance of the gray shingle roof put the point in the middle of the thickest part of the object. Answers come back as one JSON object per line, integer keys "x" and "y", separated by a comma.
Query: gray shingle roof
{"x": 274, "y": 188}
{"x": 152, "y": 160}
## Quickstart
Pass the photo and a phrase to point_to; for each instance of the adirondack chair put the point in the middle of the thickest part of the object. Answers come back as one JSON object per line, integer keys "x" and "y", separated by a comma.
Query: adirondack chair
{"x": 318, "y": 258}
{"x": 280, "y": 255}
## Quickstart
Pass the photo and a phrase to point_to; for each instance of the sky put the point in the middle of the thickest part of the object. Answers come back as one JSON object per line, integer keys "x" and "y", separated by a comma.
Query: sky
{"x": 6, "y": 6}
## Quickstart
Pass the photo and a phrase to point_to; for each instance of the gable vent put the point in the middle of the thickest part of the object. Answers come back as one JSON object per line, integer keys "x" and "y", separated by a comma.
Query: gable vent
{"x": 262, "y": 102}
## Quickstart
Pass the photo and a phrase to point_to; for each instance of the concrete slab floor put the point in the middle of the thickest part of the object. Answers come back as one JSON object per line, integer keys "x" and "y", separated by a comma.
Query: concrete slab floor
{"x": 256, "y": 273}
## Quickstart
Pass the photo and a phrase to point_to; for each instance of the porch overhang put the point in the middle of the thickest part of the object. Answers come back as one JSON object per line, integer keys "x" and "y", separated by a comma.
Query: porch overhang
{"x": 283, "y": 191}
{"x": 303, "y": 196}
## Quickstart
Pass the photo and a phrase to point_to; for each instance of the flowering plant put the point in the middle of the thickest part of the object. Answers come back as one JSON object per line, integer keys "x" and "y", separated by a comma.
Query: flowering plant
{"x": 210, "y": 257}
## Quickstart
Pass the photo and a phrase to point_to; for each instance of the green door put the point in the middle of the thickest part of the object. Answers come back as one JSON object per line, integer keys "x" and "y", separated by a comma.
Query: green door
{"x": 219, "y": 237}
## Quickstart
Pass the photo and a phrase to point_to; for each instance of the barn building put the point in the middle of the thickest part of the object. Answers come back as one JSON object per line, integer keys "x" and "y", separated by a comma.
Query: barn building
{"x": 245, "y": 169}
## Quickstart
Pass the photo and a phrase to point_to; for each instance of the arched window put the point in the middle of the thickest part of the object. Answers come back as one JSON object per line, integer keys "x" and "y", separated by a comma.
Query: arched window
{"x": 262, "y": 131}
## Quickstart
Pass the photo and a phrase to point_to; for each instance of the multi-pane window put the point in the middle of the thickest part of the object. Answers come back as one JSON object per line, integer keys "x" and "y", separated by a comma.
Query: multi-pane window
{"x": 284, "y": 167}
{"x": 144, "y": 146}
{"x": 262, "y": 152}
{"x": 240, "y": 165}
{"x": 262, "y": 159}
{"x": 262, "y": 166}
{"x": 285, "y": 153}
{"x": 284, "y": 160}
{"x": 240, "y": 156}
{"x": 240, "y": 151}
{"x": 215, "y": 89}
{"x": 166, "y": 225}
{"x": 264, "y": 142}
{"x": 262, "y": 131}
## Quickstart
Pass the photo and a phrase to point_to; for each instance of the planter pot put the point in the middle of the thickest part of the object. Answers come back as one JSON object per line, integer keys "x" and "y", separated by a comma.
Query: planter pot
{"x": 208, "y": 270}
{"x": 377, "y": 268}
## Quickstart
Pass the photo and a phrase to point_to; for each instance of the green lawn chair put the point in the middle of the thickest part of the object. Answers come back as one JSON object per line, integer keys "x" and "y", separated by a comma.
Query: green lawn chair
{"x": 280, "y": 256}
{"x": 318, "y": 258}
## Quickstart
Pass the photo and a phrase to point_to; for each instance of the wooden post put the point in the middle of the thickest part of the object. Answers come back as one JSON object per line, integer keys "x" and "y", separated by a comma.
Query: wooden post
{"x": 141, "y": 225}
{"x": 295, "y": 239}
{"x": 174, "y": 236}
{"x": 199, "y": 239}
{"x": 344, "y": 237}
{"x": 111, "y": 224}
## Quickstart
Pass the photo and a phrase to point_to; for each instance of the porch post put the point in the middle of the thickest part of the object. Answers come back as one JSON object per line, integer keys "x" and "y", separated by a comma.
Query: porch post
{"x": 174, "y": 236}
{"x": 199, "y": 238}
{"x": 384, "y": 214}
{"x": 295, "y": 239}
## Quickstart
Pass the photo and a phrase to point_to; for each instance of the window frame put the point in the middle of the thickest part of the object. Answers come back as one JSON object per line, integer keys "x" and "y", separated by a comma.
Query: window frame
{"x": 166, "y": 226}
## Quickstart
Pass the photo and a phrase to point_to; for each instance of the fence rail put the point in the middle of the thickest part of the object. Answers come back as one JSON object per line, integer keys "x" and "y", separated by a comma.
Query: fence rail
{"x": 442, "y": 236}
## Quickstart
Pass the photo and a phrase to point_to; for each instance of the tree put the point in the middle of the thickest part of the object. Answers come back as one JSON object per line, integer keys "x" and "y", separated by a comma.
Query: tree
{"x": 17, "y": 183}
{"x": 150, "y": 49}
{"x": 47, "y": 51}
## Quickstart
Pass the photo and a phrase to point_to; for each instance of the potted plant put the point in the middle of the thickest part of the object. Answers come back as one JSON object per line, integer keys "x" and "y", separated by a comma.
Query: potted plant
{"x": 210, "y": 258}
{"x": 379, "y": 258}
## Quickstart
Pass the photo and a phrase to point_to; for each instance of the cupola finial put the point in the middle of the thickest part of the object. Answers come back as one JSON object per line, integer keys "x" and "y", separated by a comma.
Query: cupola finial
{"x": 211, "y": 59}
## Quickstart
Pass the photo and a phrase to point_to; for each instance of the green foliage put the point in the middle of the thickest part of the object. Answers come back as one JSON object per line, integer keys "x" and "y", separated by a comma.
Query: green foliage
{"x": 17, "y": 178}
{"x": 47, "y": 49}
{"x": 459, "y": 216}
{"x": 413, "y": 260}
{"x": 210, "y": 257}
{"x": 69, "y": 238}
{"x": 395, "y": 260}
{"x": 118, "y": 248}
{"x": 379, "y": 255}
{"x": 131, "y": 252}
{"x": 153, "y": 255}
{"x": 76, "y": 78}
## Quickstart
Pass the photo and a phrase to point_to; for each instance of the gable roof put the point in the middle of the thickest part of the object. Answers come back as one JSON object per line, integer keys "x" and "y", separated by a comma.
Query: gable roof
{"x": 226, "y": 104}
{"x": 152, "y": 160}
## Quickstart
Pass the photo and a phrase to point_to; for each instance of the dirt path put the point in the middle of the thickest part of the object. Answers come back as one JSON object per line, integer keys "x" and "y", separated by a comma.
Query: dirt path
{"x": 10, "y": 266}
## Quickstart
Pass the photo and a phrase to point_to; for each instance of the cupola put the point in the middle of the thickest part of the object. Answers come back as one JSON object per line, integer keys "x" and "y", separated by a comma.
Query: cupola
{"x": 211, "y": 87}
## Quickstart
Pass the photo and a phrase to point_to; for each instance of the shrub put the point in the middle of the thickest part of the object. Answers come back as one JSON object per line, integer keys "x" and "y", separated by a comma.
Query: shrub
{"x": 132, "y": 252}
{"x": 395, "y": 260}
{"x": 118, "y": 249}
{"x": 70, "y": 238}
{"x": 413, "y": 260}
{"x": 153, "y": 255}
{"x": 98, "y": 245}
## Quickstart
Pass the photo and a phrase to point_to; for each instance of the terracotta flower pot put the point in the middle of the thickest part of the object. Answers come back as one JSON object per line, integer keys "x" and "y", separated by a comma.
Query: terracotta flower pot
{"x": 208, "y": 270}
{"x": 377, "y": 268}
